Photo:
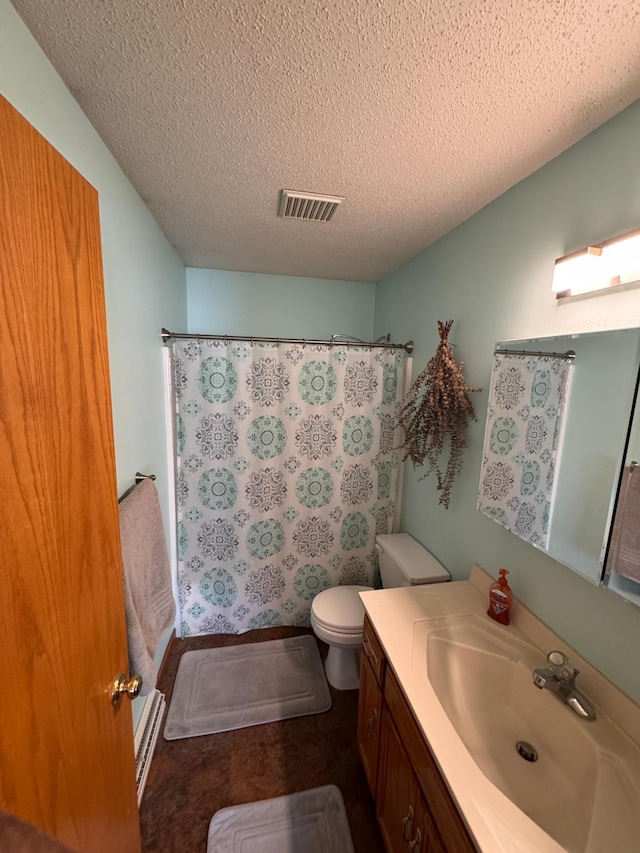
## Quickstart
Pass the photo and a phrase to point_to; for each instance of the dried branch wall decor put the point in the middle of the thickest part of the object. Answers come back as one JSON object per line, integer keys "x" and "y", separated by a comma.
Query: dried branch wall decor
{"x": 436, "y": 413}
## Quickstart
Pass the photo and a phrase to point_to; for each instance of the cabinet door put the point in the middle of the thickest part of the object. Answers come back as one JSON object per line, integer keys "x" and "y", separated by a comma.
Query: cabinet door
{"x": 425, "y": 837}
{"x": 369, "y": 722}
{"x": 450, "y": 827}
{"x": 397, "y": 790}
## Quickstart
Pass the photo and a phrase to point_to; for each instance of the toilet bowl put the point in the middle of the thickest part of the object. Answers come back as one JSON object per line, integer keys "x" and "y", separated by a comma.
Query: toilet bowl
{"x": 337, "y": 614}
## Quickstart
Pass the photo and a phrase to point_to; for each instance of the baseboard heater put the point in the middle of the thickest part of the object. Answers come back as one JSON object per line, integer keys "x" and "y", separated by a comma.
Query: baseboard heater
{"x": 146, "y": 735}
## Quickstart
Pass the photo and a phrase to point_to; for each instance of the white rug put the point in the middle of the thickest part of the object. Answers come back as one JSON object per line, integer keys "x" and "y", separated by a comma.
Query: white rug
{"x": 312, "y": 821}
{"x": 233, "y": 687}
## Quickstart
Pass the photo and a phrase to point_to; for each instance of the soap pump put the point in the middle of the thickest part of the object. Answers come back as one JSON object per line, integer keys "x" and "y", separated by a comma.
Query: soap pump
{"x": 500, "y": 599}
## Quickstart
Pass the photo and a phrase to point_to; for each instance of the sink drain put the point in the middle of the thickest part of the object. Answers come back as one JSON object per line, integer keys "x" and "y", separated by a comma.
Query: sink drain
{"x": 528, "y": 752}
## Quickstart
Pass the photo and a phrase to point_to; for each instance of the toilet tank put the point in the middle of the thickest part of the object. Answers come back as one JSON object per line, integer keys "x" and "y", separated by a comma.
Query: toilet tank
{"x": 404, "y": 562}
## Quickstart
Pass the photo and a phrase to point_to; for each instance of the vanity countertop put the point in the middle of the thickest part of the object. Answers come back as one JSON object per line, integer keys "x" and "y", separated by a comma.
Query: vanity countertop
{"x": 496, "y": 824}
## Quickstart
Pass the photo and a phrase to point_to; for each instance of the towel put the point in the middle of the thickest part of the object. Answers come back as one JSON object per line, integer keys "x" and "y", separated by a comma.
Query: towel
{"x": 149, "y": 604}
{"x": 625, "y": 541}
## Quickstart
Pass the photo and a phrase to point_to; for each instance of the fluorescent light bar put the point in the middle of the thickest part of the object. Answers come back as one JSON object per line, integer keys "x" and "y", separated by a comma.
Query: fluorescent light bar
{"x": 599, "y": 267}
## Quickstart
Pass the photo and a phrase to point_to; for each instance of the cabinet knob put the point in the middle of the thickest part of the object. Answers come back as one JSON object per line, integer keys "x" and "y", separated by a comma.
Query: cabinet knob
{"x": 407, "y": 823}
{"x": 373, "y": 720}
{"x": 417, "y": 841}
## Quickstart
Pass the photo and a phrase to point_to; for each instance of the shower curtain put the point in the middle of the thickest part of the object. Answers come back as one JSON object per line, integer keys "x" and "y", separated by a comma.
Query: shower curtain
{"x": 527, "y": 402}
{"x": 287, "y": 464}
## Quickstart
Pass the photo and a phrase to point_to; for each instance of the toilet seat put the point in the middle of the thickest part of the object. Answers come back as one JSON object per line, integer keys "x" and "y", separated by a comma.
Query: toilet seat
{"x": 339, "y": 609}
{"x": 347, "y": 632}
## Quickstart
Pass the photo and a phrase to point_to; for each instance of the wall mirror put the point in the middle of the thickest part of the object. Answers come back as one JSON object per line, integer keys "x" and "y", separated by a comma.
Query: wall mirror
{"x": 598, "y": 436}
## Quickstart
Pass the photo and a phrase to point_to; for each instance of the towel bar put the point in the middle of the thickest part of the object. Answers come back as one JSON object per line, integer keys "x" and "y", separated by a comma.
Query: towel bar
{"x": 140, "y": 477}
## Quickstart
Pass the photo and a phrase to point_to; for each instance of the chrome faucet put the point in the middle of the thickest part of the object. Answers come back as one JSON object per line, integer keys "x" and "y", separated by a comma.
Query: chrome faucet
{"x": 560, "y": 678}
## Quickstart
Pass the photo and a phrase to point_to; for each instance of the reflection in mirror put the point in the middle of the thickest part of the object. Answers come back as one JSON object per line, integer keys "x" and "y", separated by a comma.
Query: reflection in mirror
{"x": 623, "y": 555}
{"x": 525, "y": 416}
{"x": 591, "y": 450}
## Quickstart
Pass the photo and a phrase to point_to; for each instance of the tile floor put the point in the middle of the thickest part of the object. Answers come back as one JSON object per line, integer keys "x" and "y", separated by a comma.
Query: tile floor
{"x": 190, "y": 779}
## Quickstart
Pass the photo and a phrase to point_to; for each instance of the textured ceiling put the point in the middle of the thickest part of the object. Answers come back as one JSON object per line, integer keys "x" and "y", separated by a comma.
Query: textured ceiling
{"x": 419, "y": 112}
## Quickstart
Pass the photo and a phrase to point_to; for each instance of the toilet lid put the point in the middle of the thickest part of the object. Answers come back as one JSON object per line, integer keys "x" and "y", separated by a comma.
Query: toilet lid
{"x": 340, "y": 607}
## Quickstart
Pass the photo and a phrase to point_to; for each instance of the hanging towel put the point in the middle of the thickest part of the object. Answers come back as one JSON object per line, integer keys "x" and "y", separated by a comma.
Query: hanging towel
{"x": 149, "y": 604}
{"x": 522, "y": 439}
{"x": 626, "y": 529}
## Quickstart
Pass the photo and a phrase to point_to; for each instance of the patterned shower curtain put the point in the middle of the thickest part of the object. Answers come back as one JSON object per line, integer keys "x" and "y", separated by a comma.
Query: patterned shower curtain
{"x": 527, "y": 402}
{"x": 287, "y": 463}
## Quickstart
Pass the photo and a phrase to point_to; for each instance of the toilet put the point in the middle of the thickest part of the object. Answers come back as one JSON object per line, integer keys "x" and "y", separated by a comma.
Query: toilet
{"x": 337, "y": 614}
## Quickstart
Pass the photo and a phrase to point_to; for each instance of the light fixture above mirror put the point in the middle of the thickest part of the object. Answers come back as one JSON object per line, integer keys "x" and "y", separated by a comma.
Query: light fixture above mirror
{"x": 597, "y": 268}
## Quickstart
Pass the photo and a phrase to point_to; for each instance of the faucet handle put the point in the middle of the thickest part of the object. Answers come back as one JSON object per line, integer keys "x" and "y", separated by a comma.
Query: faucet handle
{"x": 561, "y": 666}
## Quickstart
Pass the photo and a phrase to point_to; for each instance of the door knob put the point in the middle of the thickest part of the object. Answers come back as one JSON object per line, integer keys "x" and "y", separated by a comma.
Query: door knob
{"x": 124, "y": 686}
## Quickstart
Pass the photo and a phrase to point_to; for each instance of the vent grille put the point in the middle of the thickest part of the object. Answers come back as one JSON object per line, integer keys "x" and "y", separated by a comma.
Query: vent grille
{"x": 310, "y": 206}
{"x": 146, "y": 736}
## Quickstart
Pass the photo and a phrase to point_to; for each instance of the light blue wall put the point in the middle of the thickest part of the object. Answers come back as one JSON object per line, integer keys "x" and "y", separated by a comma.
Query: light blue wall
{"x": 492, "y": 275}
{"x": 237, "y": 303}
{"x": 144, "y": 277}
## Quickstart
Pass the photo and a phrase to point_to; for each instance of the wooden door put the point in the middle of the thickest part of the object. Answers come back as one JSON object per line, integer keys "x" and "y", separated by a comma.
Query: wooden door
{"x": 66, "y": 755}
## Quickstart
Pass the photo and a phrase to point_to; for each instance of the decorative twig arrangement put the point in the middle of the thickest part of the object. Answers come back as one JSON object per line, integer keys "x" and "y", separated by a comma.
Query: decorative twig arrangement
{"x": 438, "y": 409}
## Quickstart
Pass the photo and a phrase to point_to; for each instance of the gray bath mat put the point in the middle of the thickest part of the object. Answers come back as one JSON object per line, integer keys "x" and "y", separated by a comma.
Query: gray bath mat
{"x": 308, "y": 822}
{"x": 217, "y": 690}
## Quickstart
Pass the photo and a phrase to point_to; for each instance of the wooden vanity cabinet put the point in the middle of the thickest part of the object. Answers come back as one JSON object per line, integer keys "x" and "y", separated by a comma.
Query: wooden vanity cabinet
{"x": 415, "y": 810}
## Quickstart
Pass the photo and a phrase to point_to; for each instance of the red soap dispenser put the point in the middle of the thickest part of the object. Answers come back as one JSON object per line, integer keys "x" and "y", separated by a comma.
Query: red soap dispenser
{"x": 500, "y": 599}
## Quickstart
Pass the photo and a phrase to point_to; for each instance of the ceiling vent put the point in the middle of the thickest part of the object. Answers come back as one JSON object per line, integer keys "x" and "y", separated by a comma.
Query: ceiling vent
{"x": 311, "y": 206}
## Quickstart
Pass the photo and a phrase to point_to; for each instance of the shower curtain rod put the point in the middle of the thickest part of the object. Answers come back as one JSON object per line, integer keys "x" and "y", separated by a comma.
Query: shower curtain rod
{"x": 568, "y": 355}
{"x": 334, "y": 341}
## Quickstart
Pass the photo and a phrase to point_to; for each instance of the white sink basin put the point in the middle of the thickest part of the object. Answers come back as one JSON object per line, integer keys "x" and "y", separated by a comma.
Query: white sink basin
{"x": 581, "y": 789}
